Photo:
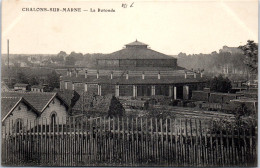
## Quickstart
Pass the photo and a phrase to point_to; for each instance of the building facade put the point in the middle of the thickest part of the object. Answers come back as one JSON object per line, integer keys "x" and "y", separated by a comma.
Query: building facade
{"x": 135, "y": 71}
{"x": 49, "y": 107}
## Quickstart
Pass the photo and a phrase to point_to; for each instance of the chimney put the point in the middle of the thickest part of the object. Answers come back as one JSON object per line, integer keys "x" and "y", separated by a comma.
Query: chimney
{"x": 77, "y": 72}
{"x": 127, "y": 75}
{"x": 111, "y": 75}
{"x": 86, "y": 73}
{"x": 185, "y": 75}
{"x": 97, "y": 74}
{"x": 8, "y": 52}
{"x": 195, "y": 74}
{"x": 68, "y": 72}
{"x": 159, "y": 75}
{"x": 201, "y": 74}
{"x": 143, "y": 75}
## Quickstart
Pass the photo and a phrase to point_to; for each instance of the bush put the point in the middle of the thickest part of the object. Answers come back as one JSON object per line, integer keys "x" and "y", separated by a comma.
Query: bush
{"x": 220, "y": 84}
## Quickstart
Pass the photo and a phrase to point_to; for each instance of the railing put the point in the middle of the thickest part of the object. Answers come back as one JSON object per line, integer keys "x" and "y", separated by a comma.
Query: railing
{"x": 123, "y": 141}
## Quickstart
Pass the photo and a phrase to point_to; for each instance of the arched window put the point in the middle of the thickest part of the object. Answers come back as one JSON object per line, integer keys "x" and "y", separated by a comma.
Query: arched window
{"x": 53, "y": 118}
{"x": 19, "y": 125}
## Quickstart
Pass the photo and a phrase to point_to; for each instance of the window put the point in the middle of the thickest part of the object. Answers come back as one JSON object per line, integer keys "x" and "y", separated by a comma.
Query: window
{"x": 19, "y": 125}
{"x": 53, "y": 118}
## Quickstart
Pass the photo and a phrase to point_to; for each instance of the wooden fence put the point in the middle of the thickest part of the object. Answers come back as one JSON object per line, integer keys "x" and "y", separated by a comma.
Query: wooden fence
{"x": 127, "y": 142}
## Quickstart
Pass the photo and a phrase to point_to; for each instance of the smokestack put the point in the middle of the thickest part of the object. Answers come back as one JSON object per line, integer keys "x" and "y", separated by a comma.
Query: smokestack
{"x": 159, "y": 75}
{"x": 86, "y": 73}
{"x": 126, "y": 75}
{"x": 185, "y": 75}
{"x": 68, "y": 72}
{"x": 77, "y": 72}
{"x": 111, "y": 75}
{"x": 143, "y": 75}
{"x": 97, "y": 74}
{"x": 73, "y": 86}
{"x": 201, "y": 73}
{"x": 8, "y": 53}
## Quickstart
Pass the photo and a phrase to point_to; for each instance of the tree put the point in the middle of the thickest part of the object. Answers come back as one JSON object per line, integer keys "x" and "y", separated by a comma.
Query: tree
{"x": 62, "y": 54}
{"x": 251, "y": 55}
{"x": 22, "y": 78}
{"x": 53, "y": 80}
{"x": 220, "y": 84}
{"x": 33, "y": 80}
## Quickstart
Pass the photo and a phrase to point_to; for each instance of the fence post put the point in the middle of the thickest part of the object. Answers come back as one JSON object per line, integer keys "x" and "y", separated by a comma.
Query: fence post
{"x": 152, "y": 153}
{"x": 185, "y": 145}
{"x": 221, "y": 147}
{"x": 137, "y": 139}
{"x": 133, "y": 142}
{"x": 141, "y": 144}
{"x": 171, "y": 145}
{"x": 176, "y": 143}
{"x": 233, "y": 147}
{"x": 146, "y": 142}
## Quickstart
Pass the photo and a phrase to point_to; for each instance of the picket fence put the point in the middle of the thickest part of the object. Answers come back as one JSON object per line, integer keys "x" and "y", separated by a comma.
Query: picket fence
{"x": 123, "y": 141}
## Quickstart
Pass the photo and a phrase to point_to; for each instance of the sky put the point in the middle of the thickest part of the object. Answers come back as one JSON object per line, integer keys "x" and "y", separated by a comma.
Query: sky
{"x": 170, "y": 27}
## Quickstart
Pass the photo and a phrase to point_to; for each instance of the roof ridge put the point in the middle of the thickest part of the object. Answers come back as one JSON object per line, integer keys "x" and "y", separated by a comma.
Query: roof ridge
{"x": 11, "y": 97}
{"x": 29, "y": 92}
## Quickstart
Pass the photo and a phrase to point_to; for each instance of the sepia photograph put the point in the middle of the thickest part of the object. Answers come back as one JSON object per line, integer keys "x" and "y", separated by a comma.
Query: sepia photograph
{"x": 129, "y": 83}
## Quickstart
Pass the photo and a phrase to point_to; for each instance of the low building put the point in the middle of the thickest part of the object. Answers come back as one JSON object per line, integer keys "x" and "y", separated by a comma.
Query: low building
{"x": 51, "y": 107}
{"x": 16, "y": 111}
{"x": 22, "y": 86}
{"x": 38, "y": 88}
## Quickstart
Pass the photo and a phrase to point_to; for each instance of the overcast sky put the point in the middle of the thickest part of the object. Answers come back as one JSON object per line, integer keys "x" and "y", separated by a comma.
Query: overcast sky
{"x": 167, "y": 27}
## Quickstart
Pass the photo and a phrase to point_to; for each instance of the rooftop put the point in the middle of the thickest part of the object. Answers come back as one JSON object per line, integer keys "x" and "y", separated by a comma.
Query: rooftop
{"x": 8, "y": 104}
{"x": 39, "y": 100}
{"x": 21, "y": 85}
{"x": 176, "y": 78}
{"x": 136, "y": 50}
{"x": 136, "y": 43}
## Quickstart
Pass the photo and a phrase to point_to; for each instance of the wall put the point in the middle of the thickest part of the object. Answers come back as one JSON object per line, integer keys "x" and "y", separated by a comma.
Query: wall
{"x": 24, "y": 113}
{"x": 200, "y": 96}
{"x": 125, "y": 90}
{"x": 57, "y": 107}
{"x": 138, "y": 62}
{"x": 79, "y": 87}
{"x": 156, "y": 63}
{"x": 93, "y": 88}
{"x": 109, "y": 63}
{"x": 162, "y": 90}
{"x": 62, "y": 85}
{"x": 107, "y": 89}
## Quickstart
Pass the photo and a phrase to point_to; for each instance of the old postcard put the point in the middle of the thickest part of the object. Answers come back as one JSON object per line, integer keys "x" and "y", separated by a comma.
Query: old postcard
{"x": 129, "y": 83}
